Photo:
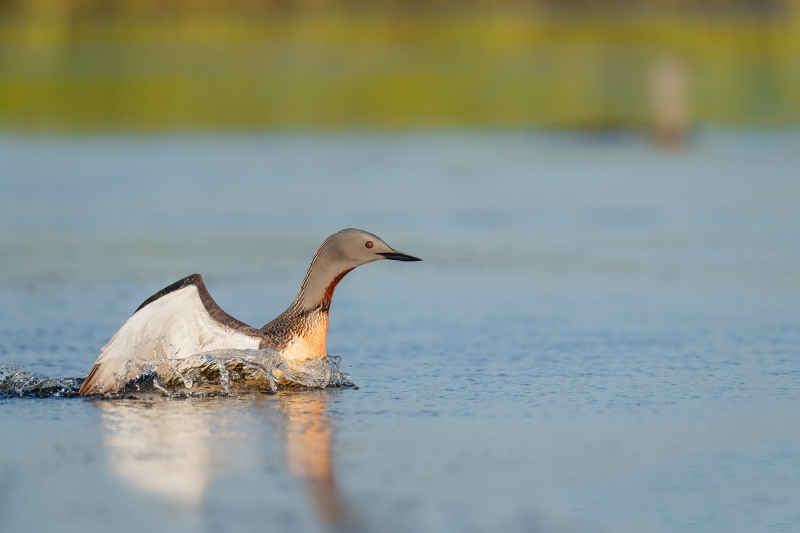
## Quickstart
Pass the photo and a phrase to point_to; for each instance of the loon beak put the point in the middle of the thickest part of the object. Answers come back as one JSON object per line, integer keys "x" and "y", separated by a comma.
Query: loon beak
{"x": 398, "y": 256}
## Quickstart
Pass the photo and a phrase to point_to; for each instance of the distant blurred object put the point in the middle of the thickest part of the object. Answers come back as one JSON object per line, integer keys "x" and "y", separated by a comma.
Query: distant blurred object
{"x": 669, "y": 94}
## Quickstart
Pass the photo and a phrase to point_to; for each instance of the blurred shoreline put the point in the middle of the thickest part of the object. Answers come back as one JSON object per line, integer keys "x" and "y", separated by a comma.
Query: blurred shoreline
{"x": 331, "y": 68}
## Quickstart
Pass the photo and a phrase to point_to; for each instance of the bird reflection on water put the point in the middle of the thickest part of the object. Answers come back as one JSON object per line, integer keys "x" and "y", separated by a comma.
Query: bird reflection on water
{"x": 308, "y": 438}
{"x": 172, "y": 449}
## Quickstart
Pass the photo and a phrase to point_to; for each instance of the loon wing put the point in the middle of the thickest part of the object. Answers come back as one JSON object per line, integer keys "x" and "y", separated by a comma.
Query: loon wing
{"x": 183, "y": 314}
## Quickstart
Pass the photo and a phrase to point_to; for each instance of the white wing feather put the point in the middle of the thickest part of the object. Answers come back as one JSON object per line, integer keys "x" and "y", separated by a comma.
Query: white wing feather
{"x": 179, "y": 318}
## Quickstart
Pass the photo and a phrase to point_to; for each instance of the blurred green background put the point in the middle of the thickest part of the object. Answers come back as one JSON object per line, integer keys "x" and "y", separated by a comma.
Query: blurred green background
{"x": 151, "y": 65}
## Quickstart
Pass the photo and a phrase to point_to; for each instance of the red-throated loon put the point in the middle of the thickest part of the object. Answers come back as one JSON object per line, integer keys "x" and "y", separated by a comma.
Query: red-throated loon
{"x": 185, "y": 315}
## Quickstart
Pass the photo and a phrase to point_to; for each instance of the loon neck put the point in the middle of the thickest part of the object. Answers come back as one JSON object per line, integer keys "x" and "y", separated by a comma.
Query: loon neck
{"x": 301, "y": 331}
{"x": 308, "y": 314}
{"x": 316, "y": 294}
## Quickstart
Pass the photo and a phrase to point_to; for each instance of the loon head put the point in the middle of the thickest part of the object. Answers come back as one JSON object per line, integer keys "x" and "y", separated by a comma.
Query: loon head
{"x": 337, "y": 255}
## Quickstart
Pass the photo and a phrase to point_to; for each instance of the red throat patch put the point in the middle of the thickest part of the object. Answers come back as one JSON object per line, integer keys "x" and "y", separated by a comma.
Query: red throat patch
{"x": 328, "y": 295}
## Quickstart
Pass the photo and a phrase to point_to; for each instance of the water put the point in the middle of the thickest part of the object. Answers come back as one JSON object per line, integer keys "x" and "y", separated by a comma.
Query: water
{"x": 601, "y": 337}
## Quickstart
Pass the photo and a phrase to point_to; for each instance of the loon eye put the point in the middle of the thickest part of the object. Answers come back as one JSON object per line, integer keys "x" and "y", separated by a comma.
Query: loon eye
{"x": 368, "y": 244}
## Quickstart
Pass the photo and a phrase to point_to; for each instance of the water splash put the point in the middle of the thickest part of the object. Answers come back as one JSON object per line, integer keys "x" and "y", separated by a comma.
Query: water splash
{"x": 16, "y": 381}
{"x": 154, "y": 367}
{"x": 155, "y": 364}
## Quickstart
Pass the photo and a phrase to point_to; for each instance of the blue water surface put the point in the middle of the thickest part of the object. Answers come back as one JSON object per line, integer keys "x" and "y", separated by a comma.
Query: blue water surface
{"x": 601, "y": 337}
